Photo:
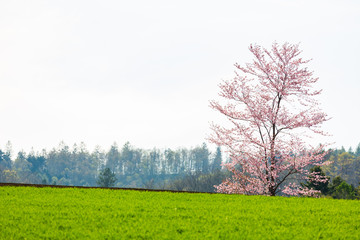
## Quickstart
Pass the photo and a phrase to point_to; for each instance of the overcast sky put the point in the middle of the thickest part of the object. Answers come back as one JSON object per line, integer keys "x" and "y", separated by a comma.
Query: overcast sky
{"x": 144, "y": 71}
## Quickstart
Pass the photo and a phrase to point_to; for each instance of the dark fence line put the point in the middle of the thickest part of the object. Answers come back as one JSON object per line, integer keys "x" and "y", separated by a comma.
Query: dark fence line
{"x": 85, "y": 187}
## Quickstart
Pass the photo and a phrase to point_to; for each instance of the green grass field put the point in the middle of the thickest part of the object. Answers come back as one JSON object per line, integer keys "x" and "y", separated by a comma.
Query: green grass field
{"x": 70, "y": 213}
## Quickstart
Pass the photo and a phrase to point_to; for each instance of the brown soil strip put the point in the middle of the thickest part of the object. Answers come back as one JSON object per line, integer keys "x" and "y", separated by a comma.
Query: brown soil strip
{"x": 111, "y": 188}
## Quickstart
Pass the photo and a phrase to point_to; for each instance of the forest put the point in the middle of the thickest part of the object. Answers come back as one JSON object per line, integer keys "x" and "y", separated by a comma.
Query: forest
{"x": 194, "y": 169}
{"x": 132, "y": 167}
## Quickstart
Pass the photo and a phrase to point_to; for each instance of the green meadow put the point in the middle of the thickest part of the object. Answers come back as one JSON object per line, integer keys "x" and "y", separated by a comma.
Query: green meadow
{"x": 73, "y": 213}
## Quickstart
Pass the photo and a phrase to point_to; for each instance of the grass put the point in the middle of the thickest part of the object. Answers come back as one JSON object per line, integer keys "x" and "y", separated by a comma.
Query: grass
{"x": 70, "y": 213}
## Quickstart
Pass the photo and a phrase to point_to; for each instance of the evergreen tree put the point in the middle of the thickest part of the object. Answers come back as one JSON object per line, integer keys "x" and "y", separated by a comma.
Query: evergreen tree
{"x": 127, "y": 158}
{"x": 357, "y": 151}
{"x": 21, "y": 164}
{"x": 200, "y": 158}
{"x": 350, "y": 150}
{"x": 335, "y": 183}
{"x": 106, "y": 178}
{"x": 342, "y": 150}
{"x": 340, "y": 189}
{"x": 113, "y": 159}
{"x": 5, "y": 161}
{"x": 170, "y": 161}
{"x": 316, "y": 185}
{"x": 344, "y": 165}
{"x": 37, "y": 163}
{"x": 205, "y": 159}
{"x": 216, "y": 164}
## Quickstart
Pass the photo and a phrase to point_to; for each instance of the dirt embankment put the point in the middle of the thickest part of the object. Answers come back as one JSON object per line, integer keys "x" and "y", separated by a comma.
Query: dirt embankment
{"x": 112, "y": 188}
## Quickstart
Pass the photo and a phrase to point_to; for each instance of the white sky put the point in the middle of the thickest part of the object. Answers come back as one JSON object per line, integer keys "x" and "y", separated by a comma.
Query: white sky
{"x": 144, "y": 71}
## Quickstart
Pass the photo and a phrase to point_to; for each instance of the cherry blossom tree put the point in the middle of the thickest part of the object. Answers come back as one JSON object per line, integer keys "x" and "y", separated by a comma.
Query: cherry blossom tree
{"x": 271, "y": 106}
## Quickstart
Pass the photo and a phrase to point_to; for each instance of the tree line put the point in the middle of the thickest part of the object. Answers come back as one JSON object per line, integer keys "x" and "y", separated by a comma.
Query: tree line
{"x": 342, "y": 173}
{"x": 345, "y": 164}
{"x": 132, "y": 167}
{"x": 194, "y": 169}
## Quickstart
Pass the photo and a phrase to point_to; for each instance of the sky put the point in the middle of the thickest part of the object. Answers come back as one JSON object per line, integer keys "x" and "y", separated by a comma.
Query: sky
{"x": 141, "y": 71}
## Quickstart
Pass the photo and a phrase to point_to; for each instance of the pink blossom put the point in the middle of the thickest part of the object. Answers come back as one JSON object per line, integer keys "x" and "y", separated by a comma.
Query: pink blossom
{"x": 267, "y": 103}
